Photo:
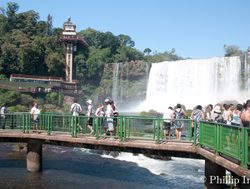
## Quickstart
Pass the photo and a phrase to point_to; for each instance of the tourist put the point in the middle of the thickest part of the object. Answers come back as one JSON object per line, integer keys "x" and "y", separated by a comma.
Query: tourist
{"x": 236, "y": 115}
{"x": 179, "y": 114}
{"x": 245, "y": 115}
{"x": 208, "y": 112}
{"x": 226, "y": 114}
{"x": 197, "y": 115}
{"x": 115, "y": 115}
{"x": 76, "y": 109}
{"x": 3, "y": 113}
{"x": 90, "y": 114}
{"x": 35, "y": 112}
{"x": 217, "y": 116}
{"x": 99, "y": 113}
{"x": 109, "y": 114}
{"x": 167, "y": 119}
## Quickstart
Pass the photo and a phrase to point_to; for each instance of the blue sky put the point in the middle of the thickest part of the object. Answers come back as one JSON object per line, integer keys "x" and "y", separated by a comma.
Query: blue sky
{"x": 195, "y": 28}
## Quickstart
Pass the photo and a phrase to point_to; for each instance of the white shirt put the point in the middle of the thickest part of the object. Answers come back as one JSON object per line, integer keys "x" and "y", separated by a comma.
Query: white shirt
{"x": 109, "y": 111}
{"x": 90, "y": 110}
{"x": 73, "y": 109}
{"x": 168, "y": 115}
{"x": 35, "y": 112}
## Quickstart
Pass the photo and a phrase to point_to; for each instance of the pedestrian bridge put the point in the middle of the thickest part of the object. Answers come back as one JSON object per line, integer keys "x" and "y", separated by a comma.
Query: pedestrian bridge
{"x": 224, "y": 147}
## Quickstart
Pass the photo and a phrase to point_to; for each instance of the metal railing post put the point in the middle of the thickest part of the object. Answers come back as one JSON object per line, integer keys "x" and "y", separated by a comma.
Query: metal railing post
{"x": 244, "y": 148}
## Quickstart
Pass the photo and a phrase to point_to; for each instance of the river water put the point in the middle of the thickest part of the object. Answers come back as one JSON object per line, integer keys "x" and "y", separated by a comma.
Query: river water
{"x": 77, "y": 168}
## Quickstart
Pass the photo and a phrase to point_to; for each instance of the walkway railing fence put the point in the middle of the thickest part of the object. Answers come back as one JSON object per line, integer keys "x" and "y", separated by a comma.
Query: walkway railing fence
{"x": 227, "y": 140}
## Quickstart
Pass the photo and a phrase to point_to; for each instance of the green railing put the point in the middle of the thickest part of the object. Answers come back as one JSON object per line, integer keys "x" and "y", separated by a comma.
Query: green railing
{"x": 231, "y": 141}
{"x": 223, "y": 139}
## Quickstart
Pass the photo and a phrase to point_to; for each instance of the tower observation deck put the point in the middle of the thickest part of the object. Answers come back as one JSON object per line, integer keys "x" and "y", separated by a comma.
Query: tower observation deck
{"x": 71, "y": 40}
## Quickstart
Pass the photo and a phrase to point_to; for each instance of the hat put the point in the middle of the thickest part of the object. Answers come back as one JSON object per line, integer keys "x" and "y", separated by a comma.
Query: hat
{"x": 178, "y": 105}
{"x": 217, "y": 109}
{"x": 106, "y": 100}
{"x": 89, "y": 101}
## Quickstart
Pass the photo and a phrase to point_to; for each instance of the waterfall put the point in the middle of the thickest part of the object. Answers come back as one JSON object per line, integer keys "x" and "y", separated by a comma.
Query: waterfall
{"x": 115, "y": 82}
{"x": 193, "y": 82}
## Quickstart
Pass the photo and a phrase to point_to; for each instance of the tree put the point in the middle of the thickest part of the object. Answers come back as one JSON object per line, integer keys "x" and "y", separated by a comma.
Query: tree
{"x": 49, "y": 25}
{"x": 147, "y": 51}
{"x": 125, "y": 40}
{"x": 232, "y": 50}
{"x": 11, "y": 10}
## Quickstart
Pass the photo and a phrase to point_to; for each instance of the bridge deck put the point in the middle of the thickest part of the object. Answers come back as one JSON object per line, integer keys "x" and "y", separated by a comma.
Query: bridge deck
{"x": 150, "y": 147}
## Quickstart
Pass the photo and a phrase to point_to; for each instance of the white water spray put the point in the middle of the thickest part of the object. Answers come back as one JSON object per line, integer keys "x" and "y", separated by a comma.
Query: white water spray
{"x": 193, "y": 82}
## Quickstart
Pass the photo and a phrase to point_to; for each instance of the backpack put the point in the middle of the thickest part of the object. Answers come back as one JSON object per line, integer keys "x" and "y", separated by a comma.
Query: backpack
{"x": 178, "y": 118}
{"x": 77, "y": 108}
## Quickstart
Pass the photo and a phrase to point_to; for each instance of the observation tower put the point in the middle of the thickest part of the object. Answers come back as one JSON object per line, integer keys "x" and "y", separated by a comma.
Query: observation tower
{"x": 71, "y": 41}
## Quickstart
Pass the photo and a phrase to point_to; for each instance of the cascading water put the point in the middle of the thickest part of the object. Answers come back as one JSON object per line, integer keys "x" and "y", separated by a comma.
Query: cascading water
{"x": 193, "y": 82}
{"x": 115, "y": 82}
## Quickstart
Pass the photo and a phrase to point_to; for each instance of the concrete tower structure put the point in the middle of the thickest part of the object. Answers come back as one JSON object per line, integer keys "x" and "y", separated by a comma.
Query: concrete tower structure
{"x": 71, "y": 40}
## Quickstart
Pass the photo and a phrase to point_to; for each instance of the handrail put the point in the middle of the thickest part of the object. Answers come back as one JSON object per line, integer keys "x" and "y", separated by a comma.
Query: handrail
{"x": 223, "y": 139}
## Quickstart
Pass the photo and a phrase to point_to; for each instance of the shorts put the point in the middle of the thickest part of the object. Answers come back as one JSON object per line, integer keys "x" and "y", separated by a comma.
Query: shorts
{"x": 110, "y": 124}
{"x": 90, "y": 121}
{"x": 35, "y": 121}
{"x": 167, "y": 126}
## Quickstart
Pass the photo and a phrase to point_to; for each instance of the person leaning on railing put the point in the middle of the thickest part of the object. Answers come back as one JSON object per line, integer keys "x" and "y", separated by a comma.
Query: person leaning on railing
{"x": 35, "y": 112}
{"x": 236, "y": 113}
{"x": 245, "y": 115}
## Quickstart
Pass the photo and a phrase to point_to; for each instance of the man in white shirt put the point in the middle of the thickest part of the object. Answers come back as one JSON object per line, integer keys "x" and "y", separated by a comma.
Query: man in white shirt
{"x": 76, "y": 109}
{"x": 168, "y": 119}
{"x": 35, "y": 112}
{"x": 90, "y": 114}
{"x": 3, "y": 113}
{"x": 109, "y": 115}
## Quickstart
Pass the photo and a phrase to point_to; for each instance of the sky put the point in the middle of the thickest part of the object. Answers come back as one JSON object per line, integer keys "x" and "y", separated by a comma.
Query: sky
{"x": 194, "y": 28}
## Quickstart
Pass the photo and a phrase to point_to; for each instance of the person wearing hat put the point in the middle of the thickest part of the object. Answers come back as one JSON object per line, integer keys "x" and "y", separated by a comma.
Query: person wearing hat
{"x": 90, "y": 114}
{"x": 217, "y": 116}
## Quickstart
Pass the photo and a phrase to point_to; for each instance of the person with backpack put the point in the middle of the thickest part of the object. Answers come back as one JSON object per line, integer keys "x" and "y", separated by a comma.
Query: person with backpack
{"x": 76, "y": 109}
{"x": 179, "y": 114}
{"x": 3, "y": 113}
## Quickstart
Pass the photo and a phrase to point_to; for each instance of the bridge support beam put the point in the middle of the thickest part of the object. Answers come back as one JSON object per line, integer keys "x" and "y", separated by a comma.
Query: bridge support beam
{"x": 214, "y": 175}
{"x": 34, "y": 156}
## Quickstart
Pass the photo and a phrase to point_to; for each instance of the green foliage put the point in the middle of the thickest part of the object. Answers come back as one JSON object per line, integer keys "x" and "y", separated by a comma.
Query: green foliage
{"x": 160, "y": 57}
{"x": 28, "y": 45}
{"x": 26, "y": 100}
{"x": 151, "y": 113}
{"x": 147, "y": 51}
{"x": 10, "y": 98}
{"x": 232, "y": 50}
{"x": 18, "y": 108}
{"x": 54, "y": 98}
